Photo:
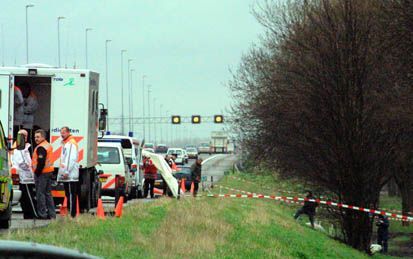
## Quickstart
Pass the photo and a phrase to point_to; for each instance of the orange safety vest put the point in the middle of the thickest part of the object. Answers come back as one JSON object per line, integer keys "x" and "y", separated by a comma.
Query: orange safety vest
{"x": 48, "y": 167}
{"x": 72, "y": 140}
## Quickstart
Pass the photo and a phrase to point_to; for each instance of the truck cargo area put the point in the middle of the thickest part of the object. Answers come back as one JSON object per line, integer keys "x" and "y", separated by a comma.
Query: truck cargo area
{"x": 41, "y": 87}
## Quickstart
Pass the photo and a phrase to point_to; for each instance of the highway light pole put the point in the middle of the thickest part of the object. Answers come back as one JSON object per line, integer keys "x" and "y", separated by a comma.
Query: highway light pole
{"x": 160, "y": 125}
{"x": 149, "y": 112}
{"x": 167, "y": 134}
{"x": 121, "y": 92}
{"x": 86, "y": 30}
{"x": 58, "y": 38}
{"x": 143, "y": 106}
{"x": 154, "y": 120}
{"x": 107, "y": 78}
{"x": 132, "y": 71}
{"x": 129, "y": 94}
{"x": 27, "y": 32}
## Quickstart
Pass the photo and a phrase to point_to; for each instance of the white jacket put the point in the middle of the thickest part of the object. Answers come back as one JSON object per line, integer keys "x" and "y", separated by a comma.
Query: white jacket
{"x": 21, "y": 160}
{"x": 30, "y": 107}
{"x": 18, "y": 107}
{"x": 69, "y": 167}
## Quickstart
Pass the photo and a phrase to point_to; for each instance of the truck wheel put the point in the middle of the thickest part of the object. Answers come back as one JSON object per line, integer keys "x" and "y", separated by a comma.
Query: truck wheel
{"x": 139, "y": 194}
{"x": 133, "y": 193}
{"x": 5, "y": 218}
{"x": 85, "y": 196}
{"x": 95, "y": 193}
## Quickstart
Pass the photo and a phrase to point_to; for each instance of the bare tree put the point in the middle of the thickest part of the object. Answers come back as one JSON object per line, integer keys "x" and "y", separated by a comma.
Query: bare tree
{"x": 319, "y": 96}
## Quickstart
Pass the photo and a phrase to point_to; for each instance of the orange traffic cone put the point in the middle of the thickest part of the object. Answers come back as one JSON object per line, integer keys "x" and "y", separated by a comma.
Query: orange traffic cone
{"x": 63, "y": 208}
{"x": 100, "y": 212}
{"x": 157, "y": 191}
{"x": 77, "y": 207}
{"x": 192, "y": 187}
{"x": 119, "y": 206}
{"x": 183, "y": 185}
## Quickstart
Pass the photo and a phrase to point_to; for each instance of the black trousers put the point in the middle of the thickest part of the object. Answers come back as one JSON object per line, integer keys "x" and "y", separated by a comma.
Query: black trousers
{"x": 164, "y": 187}
{"x": 382, "y": 240}
{"x": 28, "y": 201}
{"x": 148, "y": 185}
{"x": 72, "y": 192}
{"x": 196, "y": 187}
{"x": 303, "y": 211}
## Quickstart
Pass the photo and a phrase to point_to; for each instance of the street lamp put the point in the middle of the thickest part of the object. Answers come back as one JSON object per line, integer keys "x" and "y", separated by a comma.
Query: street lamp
{"x": 58, "y": 38}
{"x": 143, "y": 105}
{"x": 154, "y": 120}
{"x": 121, "y": 79}
{"x": 129, "y": 92}
{"x": 27, "y": 33}
{"x": 107, "y": 78}
{"x": 86, "y": 30}
{"x": 131, "y": 97}
{"x": 160, "y": 125}
{"x": 149, "y": 112}
{"x": 167, "y": 134}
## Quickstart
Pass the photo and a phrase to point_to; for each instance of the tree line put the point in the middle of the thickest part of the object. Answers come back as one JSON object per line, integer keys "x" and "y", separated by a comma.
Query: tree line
{"x": 327, "y": 96}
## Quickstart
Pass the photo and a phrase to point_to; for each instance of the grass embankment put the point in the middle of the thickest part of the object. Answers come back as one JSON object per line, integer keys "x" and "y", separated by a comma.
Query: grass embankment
{"x": 202, "y": 228}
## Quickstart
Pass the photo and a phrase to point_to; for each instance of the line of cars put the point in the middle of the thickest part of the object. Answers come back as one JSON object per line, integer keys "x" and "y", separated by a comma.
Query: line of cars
{"x": 118, "y": 161}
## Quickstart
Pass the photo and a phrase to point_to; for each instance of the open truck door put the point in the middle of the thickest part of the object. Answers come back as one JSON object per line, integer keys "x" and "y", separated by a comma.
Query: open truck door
{"x": 6, "y": 129}
{"x": 6, "y": 105}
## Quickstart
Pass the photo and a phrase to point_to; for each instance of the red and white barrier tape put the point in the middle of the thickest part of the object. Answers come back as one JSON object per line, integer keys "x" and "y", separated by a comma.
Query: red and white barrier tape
{"x": 330, "y": 203}
{"x": 278, "y": 190}
{"x": 321, "y": 197}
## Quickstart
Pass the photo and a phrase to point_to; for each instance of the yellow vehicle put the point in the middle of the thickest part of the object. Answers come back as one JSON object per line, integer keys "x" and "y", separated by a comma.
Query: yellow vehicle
{"x": 6, "y": 184}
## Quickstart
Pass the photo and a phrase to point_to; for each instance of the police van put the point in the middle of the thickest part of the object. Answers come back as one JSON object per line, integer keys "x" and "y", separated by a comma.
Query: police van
{"x": 65, "y": 97}
{"x": 132, "y": 150}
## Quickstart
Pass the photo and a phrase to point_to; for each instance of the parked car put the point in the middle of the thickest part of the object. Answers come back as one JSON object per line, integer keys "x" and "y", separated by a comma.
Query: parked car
{"x": 149, "y": 150}
{"x": 161, "y": 149}
{"x": 192, "y": 153}
{"x": 116, "y": 178}
{"x": 131, "y": 150}
{"x": 180, "y": 155}
{"x": 184, "y": 172}
{"x": 204, "y": 148}
{"x": 149, "y": 145}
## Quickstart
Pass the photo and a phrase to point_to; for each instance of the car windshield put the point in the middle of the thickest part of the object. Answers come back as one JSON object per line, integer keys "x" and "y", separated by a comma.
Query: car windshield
{"x": 191, "y": 149}
{"x": 108, "y": 155}
{"x": 175, "y": 151}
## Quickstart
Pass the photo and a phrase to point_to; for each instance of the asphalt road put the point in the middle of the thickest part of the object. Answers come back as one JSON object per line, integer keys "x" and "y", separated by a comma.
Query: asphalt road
{"x": 214, "y": 165}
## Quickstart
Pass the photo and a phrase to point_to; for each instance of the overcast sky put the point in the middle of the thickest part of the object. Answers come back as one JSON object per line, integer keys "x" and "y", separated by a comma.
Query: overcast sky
{"x": 184, "y": 47}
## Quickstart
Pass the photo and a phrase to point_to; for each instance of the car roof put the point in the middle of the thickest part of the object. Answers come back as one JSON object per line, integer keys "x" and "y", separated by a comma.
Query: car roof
{"x": 109, "y": 144}
{"x": 174, "y": 148}
{"x": 133, "y": 140}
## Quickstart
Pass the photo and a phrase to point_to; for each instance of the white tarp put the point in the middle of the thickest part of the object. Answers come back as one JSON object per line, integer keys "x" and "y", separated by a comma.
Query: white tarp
{"x": 166, "y": 171}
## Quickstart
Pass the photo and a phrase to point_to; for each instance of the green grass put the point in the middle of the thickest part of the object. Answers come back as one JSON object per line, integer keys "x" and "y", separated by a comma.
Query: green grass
{"x": 196, "y": 228}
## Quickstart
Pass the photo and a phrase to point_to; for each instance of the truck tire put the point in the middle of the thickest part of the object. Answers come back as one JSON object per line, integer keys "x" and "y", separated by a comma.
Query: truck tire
{"x": 96, "y": 188}
{"x": 5, "y": 218}
{"x": 134, "y": 193}
{"x": 139, "y": 194}
{"x": 85, "y": 187}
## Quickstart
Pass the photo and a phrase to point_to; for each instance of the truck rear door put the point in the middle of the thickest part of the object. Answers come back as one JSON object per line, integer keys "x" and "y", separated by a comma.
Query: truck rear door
{"x": 6, "y": 104}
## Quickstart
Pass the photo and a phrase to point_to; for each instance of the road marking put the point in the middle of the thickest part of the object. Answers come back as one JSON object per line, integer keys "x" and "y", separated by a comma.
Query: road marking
{"x": 212, "y": 157}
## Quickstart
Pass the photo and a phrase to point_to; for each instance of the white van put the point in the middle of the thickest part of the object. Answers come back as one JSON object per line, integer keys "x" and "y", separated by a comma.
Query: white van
{"x": 65, "y": 97}
{"x": 115, "y": 177}
{"x": 131, "y": 150}
{"x": 181, "y": 155}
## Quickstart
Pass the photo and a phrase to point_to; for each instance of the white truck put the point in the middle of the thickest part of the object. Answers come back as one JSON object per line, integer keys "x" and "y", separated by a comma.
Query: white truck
{"x": 66, "y": 97}
{"x": 219, "y": 142}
